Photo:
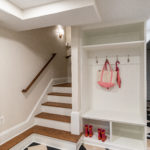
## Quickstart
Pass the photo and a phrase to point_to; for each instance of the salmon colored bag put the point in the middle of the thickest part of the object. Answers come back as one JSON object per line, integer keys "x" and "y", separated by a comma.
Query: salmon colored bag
{"x": 107, "y": 78}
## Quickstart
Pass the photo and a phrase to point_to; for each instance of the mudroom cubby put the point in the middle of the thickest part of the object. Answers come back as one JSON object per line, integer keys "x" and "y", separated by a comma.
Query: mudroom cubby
{"x": 124, "y": 109}
{"x": 98, "y": 124}
{"x": 128, "y": 136}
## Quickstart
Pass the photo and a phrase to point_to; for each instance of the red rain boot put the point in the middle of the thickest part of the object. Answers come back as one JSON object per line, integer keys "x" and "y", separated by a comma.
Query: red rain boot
{"x": 99, "y": 134}
{"x": 86, "y": 131}
{"x": 104, "y": 137}
{"x": 90, "y": 131}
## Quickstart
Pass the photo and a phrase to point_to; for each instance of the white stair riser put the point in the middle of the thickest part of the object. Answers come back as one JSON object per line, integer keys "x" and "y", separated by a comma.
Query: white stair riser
{"x": 56, "y": 110}
{"x": 60, "y": 144}
{"x": 60, "y": 99}
{"x": 62, "y": 89}
{"x": 53, "y": 124}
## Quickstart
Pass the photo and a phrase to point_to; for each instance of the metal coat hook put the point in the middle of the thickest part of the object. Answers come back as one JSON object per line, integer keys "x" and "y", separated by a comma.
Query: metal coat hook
{"x": 96, "y": 60}
{"x": 128, "y": 60}
{"x": 106, "y": 58}
{"x": 117, "y": 58}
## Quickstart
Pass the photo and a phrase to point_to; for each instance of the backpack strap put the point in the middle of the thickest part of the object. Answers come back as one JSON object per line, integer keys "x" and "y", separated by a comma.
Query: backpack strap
{"x": 105, "y": 68}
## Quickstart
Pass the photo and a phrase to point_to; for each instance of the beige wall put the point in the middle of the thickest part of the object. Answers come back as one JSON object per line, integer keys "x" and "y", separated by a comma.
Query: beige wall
{"x": 22, "y": 55}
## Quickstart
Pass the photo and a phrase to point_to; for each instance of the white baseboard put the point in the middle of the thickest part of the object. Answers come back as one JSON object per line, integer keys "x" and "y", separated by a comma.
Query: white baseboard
{"x": 29, "y": 122}
{"x": 14, "y": 131}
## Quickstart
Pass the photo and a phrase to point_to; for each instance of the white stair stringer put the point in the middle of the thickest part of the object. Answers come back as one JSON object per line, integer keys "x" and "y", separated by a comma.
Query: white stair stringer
{"x": 53, "y": 124}
{"x": 56, "y": 110}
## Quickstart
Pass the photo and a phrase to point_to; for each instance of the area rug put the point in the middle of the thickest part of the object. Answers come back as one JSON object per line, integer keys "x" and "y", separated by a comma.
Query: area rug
{"x": 37, "y": 146}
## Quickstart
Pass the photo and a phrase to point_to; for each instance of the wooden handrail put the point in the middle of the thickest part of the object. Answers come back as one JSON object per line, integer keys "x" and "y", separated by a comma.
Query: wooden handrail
{"x": 68, "y": 56}
{"x": 36, "y": 77}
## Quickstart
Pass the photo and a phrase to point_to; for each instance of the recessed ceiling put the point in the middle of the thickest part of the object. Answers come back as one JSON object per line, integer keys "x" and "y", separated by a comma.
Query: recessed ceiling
{"x": 25, "y": 4}
{"x": 30, "y": 14}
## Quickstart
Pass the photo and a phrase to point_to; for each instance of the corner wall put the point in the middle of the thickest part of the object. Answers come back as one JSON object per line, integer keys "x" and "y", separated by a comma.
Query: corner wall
{"x": 22, "y": 55}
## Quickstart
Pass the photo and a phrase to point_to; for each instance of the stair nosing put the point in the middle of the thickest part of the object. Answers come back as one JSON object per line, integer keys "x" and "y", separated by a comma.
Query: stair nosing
{"x": 66, "y": 107}
{"x": 61, "y": 94}
{"x": 62, "y": 85}
{"x": 37, "y": 116}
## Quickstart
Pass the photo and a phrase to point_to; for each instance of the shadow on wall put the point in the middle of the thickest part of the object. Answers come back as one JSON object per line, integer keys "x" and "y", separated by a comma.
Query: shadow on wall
{"x": 22, "y": 56}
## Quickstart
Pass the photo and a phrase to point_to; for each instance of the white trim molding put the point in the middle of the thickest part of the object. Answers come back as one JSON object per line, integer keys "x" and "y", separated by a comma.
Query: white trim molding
{"x": 76, "y": 123}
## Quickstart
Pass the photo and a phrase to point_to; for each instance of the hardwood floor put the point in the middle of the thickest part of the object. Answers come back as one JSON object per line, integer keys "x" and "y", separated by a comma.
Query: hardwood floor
{"x": 60, "y": 94}
{"x": 58, "y": 134}
{"x": 54, "y": 104}
{"x": 55, "y": 117}
{"x": 63, "y": 85}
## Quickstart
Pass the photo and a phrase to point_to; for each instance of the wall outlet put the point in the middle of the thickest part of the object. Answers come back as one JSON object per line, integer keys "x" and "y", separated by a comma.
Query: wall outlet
{"x": 2, "y": 119}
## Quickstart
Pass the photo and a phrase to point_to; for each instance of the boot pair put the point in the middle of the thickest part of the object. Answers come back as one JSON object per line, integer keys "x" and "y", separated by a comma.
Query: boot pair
{"x": 102, "y": 134}
{"x": 88, "y": 130}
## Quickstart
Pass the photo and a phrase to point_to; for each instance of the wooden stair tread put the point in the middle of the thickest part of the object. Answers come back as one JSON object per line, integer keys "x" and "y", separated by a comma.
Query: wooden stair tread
{"x": 54, "y": 104}
{"x": 55, "y": 117}
{"x": 63, "y": 85}
{"x": 54, "y": 133}
{"x": 60, "y": 94}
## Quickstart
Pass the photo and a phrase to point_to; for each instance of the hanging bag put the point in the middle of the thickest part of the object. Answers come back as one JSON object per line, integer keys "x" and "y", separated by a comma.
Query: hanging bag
{"x": 107, "y": 77}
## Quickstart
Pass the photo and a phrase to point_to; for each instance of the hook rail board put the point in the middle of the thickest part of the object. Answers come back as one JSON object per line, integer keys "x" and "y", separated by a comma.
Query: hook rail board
{"x": 121, "y": 111}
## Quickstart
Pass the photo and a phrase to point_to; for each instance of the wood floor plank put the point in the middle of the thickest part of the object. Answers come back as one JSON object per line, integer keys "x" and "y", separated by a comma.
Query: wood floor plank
{"x": 58, "y": 134}
{"x": 63, "y": 85}
{"x": 61, "y": 105}
{"x": 60, "y": 94}
{"x": 55, "y": 117}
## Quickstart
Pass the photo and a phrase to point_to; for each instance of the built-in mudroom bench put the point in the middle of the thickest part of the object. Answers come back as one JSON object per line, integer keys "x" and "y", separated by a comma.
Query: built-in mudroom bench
{"x": 120, "y": 111}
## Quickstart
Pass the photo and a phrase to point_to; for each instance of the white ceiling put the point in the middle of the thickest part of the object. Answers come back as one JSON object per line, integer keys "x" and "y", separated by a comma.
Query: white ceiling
{"x": 25, "y": 4}
{"x": 115, "y": 11}
{"x": 64, "y": 12}
{"x": 25, "y": 15}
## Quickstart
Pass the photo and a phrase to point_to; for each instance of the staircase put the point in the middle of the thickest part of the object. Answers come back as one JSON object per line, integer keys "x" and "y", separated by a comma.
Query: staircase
{"x": 52, "y": 124}
{"x": 56, "y": 111}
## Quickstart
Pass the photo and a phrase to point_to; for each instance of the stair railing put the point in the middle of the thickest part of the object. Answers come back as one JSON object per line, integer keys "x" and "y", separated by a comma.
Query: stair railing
{"x": 36, "y": 77}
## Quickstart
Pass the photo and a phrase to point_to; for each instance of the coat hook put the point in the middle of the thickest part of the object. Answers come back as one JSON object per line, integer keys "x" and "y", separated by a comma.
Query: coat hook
{"x": 117, "y": 58}
{"x": 96, "y": 60}
{"x": 128, "y": 60}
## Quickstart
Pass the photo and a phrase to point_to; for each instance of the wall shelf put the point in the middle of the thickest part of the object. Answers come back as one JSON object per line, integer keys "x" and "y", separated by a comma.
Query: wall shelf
{"x": 117, "y": 143}
{"x": 130, "y": 45}
{"x": 121, "y": 117}
{"x": 128, "y": 143}
{"x": 94, "y": 140}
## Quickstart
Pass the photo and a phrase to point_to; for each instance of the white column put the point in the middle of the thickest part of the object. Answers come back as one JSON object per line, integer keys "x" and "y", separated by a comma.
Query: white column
{"x": 75, "y": 115}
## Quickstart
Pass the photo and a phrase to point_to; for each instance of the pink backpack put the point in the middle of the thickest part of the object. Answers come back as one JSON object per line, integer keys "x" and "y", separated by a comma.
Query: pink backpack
{"x": 107, "y": 77}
